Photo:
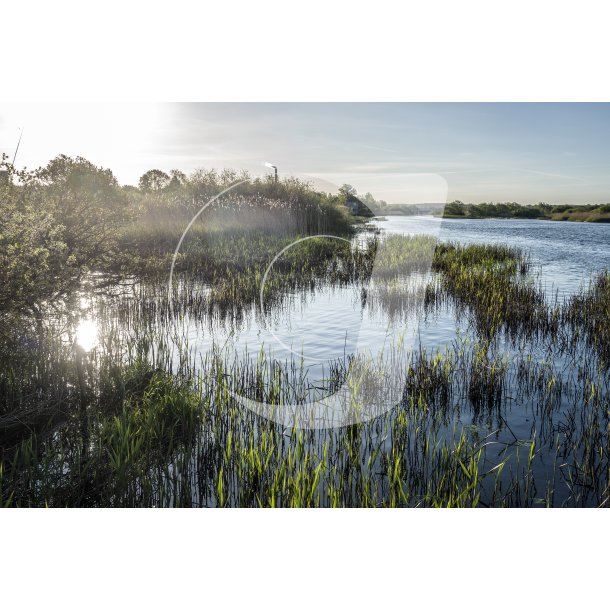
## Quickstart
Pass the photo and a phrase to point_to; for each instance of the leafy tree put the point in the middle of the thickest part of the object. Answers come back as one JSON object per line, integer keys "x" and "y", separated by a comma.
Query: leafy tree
{"x": 178, "y": 179}
{"x": 153, "y": 180}
{"x": 348, "y": 189}
{"x": 372, "y": 203}
{"x": 455, "y": 208}
{"x": 56, "y": 224}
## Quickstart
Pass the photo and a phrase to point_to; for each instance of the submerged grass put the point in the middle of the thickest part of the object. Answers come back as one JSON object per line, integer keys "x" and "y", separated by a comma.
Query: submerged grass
{"x": 491, "y": 282}
{"x": 184, "y": 441}
{"x": 588, "y": 314}
{"x": 143, "y": 425}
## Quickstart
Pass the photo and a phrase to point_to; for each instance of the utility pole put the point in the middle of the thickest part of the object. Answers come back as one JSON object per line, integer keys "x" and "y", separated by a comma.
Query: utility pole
{"x": 273, "y": 167}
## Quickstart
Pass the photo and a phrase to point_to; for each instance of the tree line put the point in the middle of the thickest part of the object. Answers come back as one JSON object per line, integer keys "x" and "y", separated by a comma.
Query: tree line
{"x": 459, "y": 209}
{"x": 67, "y": 219}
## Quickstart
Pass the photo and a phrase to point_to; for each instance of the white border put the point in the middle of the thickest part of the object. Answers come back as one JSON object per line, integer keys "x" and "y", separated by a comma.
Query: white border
{"x": 473, "y": 50}
{"x": 316, "y": 50}
{"x": 265, "y": 558}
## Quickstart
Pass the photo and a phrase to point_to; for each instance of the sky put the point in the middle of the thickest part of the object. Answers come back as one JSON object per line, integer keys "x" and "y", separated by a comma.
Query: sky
{"x": 403, "y": 153}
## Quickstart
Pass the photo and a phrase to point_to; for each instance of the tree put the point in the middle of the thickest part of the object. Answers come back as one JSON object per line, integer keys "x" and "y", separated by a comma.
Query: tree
{"x": 56, "y": 224}
{"x": 153, "y": 180}
{"x": 372, "y": 203}
{"x": 348, "y": 189}
{"x": 178, "y": 179}
{"x": 455, "y": 208}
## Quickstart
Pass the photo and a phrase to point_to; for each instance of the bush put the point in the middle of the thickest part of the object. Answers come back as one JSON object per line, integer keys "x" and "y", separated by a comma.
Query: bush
{"x": 56, "y": 223}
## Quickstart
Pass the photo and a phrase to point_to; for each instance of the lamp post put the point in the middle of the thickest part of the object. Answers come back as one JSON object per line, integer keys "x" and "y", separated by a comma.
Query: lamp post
{"x": 273, "y": 167}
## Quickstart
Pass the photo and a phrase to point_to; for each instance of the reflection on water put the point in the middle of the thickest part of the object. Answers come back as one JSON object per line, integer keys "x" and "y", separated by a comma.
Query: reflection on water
{"x": 326, "y": 326}
{"x": 331, "y": 322}
{"x": 87, "y": 334}
{"x": 568, "y": 253}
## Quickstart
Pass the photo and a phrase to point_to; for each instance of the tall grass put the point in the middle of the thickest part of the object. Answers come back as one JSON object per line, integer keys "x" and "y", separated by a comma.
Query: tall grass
{"x": 148, "y": 424}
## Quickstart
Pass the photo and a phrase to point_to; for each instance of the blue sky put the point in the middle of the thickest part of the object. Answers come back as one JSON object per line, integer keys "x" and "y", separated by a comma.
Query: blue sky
{"x": 558, "y": 153}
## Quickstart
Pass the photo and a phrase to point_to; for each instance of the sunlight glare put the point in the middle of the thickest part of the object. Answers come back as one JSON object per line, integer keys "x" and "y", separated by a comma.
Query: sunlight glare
{"x": 86, "y": 334}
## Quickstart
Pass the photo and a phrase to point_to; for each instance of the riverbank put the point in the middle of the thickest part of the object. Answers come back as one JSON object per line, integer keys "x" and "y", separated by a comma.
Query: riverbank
{"x": 580, "y": 216}
{"x": 150, "y": 418}
{"x": 541, "y": 211}
{"x": 136, "y": 393}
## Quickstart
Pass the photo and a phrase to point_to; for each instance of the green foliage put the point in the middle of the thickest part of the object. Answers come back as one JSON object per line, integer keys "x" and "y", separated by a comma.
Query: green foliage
{"x": 372, "y": 203}
{"x": 154, "y": 180}
{"x": 56, "y": 223}
{"x": 250, "y": 200}
{"x": 348, "y": 189}
{"x": 458, "y": 209}
{"x": 587, "y": 213}
{"x": 455, "y": 208}
{"x": 158, "y": 430}
{"x": 64, "y": 220}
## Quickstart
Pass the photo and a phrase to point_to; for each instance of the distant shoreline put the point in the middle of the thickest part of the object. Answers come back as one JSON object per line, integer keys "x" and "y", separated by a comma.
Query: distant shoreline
{"x": 595, "y": 219}
{"x": 601, "y": 219}
{"x": 508, "y": 211}
{"x": 540, "y": 211}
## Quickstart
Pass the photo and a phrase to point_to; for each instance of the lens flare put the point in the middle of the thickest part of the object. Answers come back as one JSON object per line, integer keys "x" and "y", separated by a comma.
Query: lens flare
{"x": 87, "y": 334}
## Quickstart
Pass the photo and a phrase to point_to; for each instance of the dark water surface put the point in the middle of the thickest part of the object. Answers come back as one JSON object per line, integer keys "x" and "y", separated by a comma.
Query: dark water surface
{"x": 315, "y": 328}
{"x": 333, "y": 321}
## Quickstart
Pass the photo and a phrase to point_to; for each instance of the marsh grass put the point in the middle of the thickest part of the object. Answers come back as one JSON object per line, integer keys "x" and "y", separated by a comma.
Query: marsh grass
{"x": 160, "y": 428}
{"x": 491, "y": 283}
{"x": 588, "y": 314}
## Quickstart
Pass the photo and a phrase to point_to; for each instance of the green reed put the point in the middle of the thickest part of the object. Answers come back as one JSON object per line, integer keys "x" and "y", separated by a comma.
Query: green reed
{"x": 160, "y": 428}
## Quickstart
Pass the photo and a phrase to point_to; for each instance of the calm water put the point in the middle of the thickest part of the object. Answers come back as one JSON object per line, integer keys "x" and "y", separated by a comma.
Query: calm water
{"x": 332, "y": 323}
{"x": 567, "y": 252}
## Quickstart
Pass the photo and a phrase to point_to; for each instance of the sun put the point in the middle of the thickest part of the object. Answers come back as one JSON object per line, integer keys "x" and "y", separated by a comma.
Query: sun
{"x": 87, "y": 334}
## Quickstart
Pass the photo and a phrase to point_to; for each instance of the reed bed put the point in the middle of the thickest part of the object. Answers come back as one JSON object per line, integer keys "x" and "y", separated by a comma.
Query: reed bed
{"x": 145, "y": 422}
{"x": 588, "y": 315}
{"x": 182, "y": 440}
